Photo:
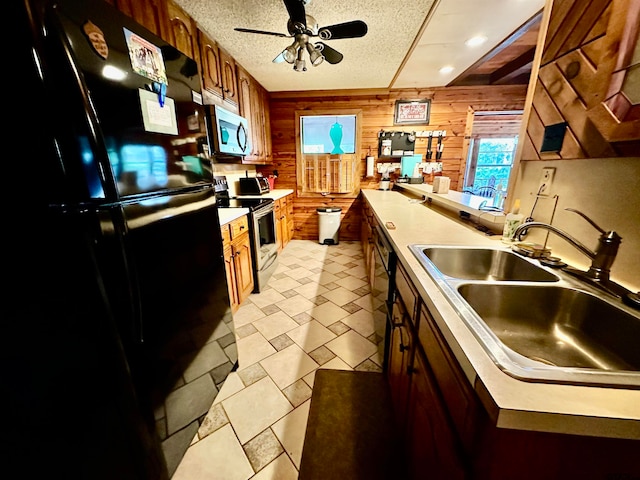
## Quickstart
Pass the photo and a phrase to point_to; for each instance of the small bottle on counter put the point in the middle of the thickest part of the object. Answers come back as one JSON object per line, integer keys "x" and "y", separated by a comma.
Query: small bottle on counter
{"x": 511, "y": 222}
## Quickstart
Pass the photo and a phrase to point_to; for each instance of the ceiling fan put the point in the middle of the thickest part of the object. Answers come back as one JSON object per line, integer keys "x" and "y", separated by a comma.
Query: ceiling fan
{"x": 302, "y": 28}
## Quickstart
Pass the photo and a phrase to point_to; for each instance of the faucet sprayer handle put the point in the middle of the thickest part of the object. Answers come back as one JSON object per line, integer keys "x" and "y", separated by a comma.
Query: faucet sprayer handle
{"x": 593, "y": 224}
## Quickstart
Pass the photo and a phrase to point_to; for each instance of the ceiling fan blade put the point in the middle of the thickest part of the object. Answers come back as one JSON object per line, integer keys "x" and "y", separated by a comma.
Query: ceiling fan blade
{"x": 356, "y": 28}
{"x": 262, "y": 32}
{"x": 330, "y": 55}
{"x": 296, "y": 11}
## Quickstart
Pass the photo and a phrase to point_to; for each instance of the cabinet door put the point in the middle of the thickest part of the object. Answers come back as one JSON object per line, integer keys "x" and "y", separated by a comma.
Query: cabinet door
{"x": 247, "y": 110}
{"x": 184, "y": 34}
{"x": 431, "y": 446}
{"x": 400, "y": 349}
{"x": 291, "y": 227}
{"x": 230, "y": 269}
{"x": 280, "y": 224}
{"x": 210, "y": 69}
{"x": 229, "y": 80}
{"x": 266, "y": 120}
{"x": 243, "y": 266}
{"x": 151, "y": 14}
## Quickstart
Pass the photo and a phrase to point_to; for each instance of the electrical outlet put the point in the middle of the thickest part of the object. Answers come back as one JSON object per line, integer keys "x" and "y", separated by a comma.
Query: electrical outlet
{"x": 546, "y": 179}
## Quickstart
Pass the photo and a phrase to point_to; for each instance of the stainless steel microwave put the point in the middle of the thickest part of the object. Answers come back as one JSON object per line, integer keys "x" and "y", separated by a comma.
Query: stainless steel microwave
{"x": 229, "y": 132}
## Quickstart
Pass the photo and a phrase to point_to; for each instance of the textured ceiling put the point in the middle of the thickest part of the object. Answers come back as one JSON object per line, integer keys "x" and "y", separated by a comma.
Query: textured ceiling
{"x": 427, "y": 33}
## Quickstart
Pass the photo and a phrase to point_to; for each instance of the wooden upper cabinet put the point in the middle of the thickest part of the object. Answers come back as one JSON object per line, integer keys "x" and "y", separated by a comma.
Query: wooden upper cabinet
{"x": 151, "y": 14}
{"x": 229, "y": 78}
{"x": 254, "y": 108}
{"x": 210, "y": 68}
{"x": 183, "y": 31}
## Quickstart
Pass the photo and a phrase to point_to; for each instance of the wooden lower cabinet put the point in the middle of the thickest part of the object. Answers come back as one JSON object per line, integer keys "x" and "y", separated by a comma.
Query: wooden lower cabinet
{"x": 430, "y": 439}
{"x": 238, "y": 261}
{"x": 283, "y": 212}
{"x": 448, "y": 433}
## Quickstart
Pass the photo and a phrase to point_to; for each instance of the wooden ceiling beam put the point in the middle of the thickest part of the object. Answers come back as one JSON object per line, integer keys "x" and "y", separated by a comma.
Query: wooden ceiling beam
{"x": 514, "y": 68}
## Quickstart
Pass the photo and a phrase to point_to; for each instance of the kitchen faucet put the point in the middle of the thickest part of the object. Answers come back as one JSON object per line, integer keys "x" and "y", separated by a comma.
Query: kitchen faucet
{"x": 601, "y": 259}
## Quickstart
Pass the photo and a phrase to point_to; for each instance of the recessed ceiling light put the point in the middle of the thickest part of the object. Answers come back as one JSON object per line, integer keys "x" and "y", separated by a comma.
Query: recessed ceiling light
{"x": 475, "y": 41}
{"x": 446, "y": 69}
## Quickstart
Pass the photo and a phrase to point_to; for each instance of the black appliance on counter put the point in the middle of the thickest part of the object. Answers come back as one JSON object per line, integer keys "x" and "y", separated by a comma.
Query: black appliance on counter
{"x": 253, "y": 186}
{"x": 262, "y": 228}
{"x": 116, "y": 323}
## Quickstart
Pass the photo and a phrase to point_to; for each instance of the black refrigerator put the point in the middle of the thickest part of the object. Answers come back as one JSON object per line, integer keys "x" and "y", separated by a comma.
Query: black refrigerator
{"x": 117, "y": 332}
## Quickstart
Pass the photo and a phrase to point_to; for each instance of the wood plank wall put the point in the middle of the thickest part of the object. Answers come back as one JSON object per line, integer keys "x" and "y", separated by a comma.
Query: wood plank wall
{"x": 449, "y": 107}
{"x": 568, "y": 82}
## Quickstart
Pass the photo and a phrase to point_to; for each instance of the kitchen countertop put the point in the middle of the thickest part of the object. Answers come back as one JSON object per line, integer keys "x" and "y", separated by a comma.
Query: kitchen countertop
{"x": 229, "y": 214}
{"x": 460, "y": 201}
{"x": 580, "y": 410}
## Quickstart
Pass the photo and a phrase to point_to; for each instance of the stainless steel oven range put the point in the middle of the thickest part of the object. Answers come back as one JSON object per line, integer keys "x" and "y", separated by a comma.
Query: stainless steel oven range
{"x": 262, "y": 228}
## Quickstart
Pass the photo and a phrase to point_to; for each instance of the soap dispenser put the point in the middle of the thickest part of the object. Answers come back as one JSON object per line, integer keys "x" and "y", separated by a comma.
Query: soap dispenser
{"x": 511, "y": 222}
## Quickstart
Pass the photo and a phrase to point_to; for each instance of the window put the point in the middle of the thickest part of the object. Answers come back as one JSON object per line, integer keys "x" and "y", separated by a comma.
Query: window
{"x": 327, "y": 152}
{"x": 491, "y": 151}
{"x": 493, "y": 161}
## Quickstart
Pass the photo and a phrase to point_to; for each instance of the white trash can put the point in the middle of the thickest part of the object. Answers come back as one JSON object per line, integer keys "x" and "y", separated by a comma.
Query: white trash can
{"x": 328, "y": 225}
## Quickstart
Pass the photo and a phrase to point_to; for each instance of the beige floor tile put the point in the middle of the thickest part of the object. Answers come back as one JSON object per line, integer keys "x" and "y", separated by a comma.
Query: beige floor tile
{"x": 328, "y": 313}
{"x": 327, "y": 277}
{"x": 280, "y": 469}
{"x": 351, "y": 283}
{"x": 360, "y": 321}
{"x": 295, "y": 305}
{"x": 342, "y": 259}
{"x": 288, "y": 365}
{"x": 368, "y": 302}
{"x": 266, "y": 297}
{"x": 333, "y": 267}
{"x": 352, "y": 348}
{"x": 219, "y": 455}
{"x": 340, "y": 296}
{"x": 358, "y": 271}
{"x": 284, "y": 284}
{"x": 252, "y": 349}
{"x": 310, "y": 290}
{"x": 273, "y": 325}
{"x": 299, "y": 272}
{"x": 247, "y": 313}
{"x": 311, "y": 335}
{"x": 256, "y": 408}
{"x": 233, "y": 384}
{"x": 290, "y": 431}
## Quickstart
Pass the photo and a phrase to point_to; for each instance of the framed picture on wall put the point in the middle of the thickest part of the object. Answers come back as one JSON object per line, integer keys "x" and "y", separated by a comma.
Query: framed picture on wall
{"x": 412, "y": 112}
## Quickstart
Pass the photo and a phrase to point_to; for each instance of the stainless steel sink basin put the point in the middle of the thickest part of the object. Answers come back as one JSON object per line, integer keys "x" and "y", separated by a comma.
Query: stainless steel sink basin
{"x": 537, "y": 324}
{"x": 486, "y": 264}
{"x": 558, "y": 326}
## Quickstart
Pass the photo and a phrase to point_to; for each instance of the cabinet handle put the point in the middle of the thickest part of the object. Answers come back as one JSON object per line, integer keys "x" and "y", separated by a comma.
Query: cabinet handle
{"x": 241, "y": 227}
{"x": 403, "y": 347}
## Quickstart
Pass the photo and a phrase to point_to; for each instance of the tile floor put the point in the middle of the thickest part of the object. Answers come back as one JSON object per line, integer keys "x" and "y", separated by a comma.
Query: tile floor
{"x": 316, "y": 312}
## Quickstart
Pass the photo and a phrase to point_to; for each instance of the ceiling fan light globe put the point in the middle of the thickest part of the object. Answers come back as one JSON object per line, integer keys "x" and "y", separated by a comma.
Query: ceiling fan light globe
{"x": 314, "y": 55}
{"x": 290, "y": 54}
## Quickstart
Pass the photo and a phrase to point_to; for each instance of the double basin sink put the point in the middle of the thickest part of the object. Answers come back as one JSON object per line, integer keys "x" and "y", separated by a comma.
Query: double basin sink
{"x": 537, "y": 323}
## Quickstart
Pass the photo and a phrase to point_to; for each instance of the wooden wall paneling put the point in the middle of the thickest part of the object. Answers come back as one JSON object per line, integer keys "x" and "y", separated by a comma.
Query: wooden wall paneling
{"x": 535, "y": 132}
{"x": 582, "y": 33}
{"x": 569, "y": 15}
{"x": 529, "y": 151}
{"x": 574, "y": 112}
{"x": 449, "y": 112}
{"x": 580, "y": 72}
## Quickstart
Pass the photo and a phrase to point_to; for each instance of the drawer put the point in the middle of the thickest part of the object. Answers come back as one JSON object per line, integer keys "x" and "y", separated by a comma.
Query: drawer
{"x": 226, "y": 233}
{"x": 239, "y": 226}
